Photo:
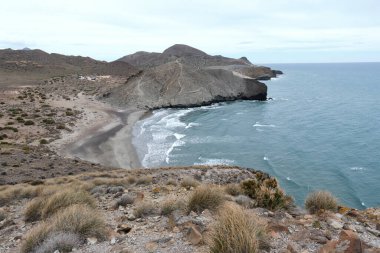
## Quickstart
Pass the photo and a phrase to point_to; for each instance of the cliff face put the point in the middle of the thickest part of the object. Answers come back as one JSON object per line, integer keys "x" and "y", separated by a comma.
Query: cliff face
{"x": 183, "y": 76}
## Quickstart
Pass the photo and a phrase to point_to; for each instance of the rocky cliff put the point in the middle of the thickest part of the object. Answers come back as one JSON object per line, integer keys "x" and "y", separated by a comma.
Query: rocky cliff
{"x": 183, "y": 76}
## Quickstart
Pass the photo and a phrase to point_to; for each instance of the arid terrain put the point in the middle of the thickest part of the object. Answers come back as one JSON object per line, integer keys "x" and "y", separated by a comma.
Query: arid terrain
{"x": 62, "y": 190}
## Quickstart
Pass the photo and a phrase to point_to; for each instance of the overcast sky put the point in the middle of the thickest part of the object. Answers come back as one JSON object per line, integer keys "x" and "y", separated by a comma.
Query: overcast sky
{"x": 266, "y": 31}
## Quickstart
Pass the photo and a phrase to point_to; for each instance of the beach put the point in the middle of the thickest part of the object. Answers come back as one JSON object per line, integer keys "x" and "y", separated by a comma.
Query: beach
{"x": 94, "y": 137}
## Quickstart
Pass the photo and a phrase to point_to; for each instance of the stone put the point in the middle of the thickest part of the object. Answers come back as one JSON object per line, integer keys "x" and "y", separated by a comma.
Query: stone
{"x": 113, "y": 240}
{"x": 335, "y": 224}
{"x": 131, "y": 217}
{"x": 374, "y": 232}
{"x": 348, "y": 242}
{"x": 151, "y": 246}
{"x": 194, "y": 236}
{"x": 123, "y": 229}
{"x": 92, "y": 240}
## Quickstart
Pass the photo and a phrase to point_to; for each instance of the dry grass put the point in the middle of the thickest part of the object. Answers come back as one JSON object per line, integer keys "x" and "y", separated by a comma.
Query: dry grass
{"x": 16, "y": 192}
{"x": 171, "y": 182}
{"x": 144, "y": 180}
{"x": 42, "y": 208}
{"x": 144, "y": 208}
{"x": 235, "y": 231}
{"x": 61, "y": 241}
{"x": 205, "y": 197}
{"x": 188, "y": 182}
{"x": 320, "y": 201}
{"x": 124, "y": 200}
{"x": 80, "y": 220}
{"x": 110, "y": 181}
{"x": 172, "y": 204}
{"x": 233, "y": 189}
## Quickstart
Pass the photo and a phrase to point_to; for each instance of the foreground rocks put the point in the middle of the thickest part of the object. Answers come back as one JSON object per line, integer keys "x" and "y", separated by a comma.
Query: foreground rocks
{"x": 290, "y": 230}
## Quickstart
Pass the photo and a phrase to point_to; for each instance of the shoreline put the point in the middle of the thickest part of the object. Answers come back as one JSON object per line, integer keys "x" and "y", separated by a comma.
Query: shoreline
{"x": 94, "y": 135}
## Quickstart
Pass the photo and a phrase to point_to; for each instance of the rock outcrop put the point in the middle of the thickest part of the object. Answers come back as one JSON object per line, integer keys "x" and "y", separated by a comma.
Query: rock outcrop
{"x": 184, "y": 76}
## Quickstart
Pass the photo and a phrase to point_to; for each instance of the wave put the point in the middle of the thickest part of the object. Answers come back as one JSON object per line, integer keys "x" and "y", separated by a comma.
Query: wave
{"x": 192, "y": 124}
{"x": 257, "y": 124}
{"x": 265, "y": 158}
{"x": 357, "y": 168}
{"x": 214, "y": 161}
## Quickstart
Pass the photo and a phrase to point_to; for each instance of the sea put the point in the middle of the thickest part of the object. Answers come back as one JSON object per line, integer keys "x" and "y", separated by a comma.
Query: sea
{"x": 319, "y": 130}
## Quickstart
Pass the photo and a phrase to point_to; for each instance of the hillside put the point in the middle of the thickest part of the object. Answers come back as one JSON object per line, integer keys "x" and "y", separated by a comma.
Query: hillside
{"x": 26, "y": 67}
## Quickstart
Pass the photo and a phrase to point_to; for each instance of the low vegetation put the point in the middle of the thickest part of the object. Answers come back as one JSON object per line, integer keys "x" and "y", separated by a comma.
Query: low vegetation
{"x": 205, "y": 197}
{"x": 170, "y": 205}
{"x": 144, "y": 209}
{"x": 266, "y": 193}
{"x": 79, "y": 220}
{"x": 236, "y": 231}
{"x": 233, "y": 189}
{"x": 320, "y": 201}
{"x": 188, "y": 182}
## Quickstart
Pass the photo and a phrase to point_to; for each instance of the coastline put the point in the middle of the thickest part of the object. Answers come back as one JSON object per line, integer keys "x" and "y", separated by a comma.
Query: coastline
{"x": 94, "y": 135}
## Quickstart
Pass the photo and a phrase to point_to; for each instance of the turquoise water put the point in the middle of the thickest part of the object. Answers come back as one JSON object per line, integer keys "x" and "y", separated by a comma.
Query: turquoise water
{"x": 320, "y": 130}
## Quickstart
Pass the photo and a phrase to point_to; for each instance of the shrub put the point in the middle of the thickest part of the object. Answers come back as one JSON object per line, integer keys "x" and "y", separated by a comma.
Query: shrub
{"x": 61, "y": 241}
{"x": 28, "y": 123}
{"x": 69, "y": 113}
{"x": 321, "y": 200}
{"x": 61, "y": 126}
{"x": 80, "y": 220}
{"x": 236, "y": 231}
{"x": 124, "y": 200}
{"x": 144, "y": 180}
{"x": 171, "y": 182}
{"x": 188, "y": 182}
{"x": 3, "y": 215}
{"x": 43, "y": 141}
{"x": 170, "y": 205}
{"x": 205, "y": 197}
{"x": 48, "y": 121}
{"x": 266, "y": 193}
{"x": 64, "y": 199}
{"x": 144, "y": 209}
{"x": 233, "y": 189}
{"x": 33, "y": 209}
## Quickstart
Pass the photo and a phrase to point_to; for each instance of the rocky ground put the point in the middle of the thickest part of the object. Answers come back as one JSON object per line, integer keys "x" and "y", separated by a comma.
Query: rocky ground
{"x": 290, "y": 230}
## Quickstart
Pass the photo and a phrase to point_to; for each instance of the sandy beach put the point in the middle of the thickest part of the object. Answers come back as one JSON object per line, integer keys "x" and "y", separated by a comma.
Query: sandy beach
{"x": 96, "y": 135}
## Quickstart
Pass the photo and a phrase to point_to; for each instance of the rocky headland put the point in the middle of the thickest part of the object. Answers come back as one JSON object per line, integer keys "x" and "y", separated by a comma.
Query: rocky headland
{"x": 62, "y": 188}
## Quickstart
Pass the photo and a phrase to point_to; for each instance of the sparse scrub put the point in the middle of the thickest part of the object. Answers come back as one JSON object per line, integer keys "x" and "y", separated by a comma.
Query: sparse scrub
{"x": 144, "y": 209}
{"x": 33, "y": 209}
{"x": 17, "y": 192}
{"x": 321, "y": 200}
{"x": 236, "y": 231}
{"x": 233, "y": 189}
{"x": 43, "y": 141}
{"x": 80, "y": 220}
{"x": 144, "y": 180}
{"x": 29, "y": 123}
{"x": 171, "y": 204}
{"x": 61, "y": 241}
{"x": 205, "y": 197}
{"x": 64, "y": 199}
{"x": 171, "y": 182}
{"x": 124, "y": 200}
{"x": 188, "y": 182}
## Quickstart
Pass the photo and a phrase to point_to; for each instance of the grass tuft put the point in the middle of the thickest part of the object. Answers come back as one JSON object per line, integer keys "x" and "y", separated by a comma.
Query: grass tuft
{"x": 205, "y": 197}
{"x": 233, "y": 189}
{"x": 172, "y": 204}
{"x": 188, "y": 182}
{"x": 144, "y": 209}
{"x": 321, "y": 200}
{"x": 80, "y": 220}
{"x": 236, "y": 231}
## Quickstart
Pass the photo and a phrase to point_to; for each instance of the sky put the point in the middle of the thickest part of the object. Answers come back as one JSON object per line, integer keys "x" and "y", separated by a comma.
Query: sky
{"x": 265, "y": 31}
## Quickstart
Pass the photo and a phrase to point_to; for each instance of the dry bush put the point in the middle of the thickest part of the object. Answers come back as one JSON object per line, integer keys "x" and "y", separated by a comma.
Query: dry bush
{"x": 131, "y": 179}
{"x": 3, "y": 215}
{"x": 80, "y": 220}
{"x": 188, "y": 182}
{"x": 144, "y": 209}
{"x": 144, "y": 180}
{"x": 236, "y": 231}
{"x": 172, "y": 204}
{"x": 171, "y": 182}
{"x": 64, "y": 199}
{"x": 110, "y": 181}
{"x": 124, "y": 200}
{"x": 33, "y": 209}
{"x": 233, "y": 189}
{"x": 17, "y": 192}
{"x": 205, "y": 197}
{"x": 321, "y": 200}
{"x": 61, "y": 241}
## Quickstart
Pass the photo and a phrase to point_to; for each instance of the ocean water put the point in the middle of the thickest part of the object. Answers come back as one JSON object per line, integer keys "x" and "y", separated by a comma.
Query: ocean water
{"x": 320, "y": 130}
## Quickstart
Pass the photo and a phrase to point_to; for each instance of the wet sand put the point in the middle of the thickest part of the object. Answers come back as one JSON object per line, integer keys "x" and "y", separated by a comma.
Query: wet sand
{"x": 103, "y": 135}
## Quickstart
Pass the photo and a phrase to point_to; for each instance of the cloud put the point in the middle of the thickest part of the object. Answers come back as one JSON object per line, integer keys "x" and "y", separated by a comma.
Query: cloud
{"x": 110, "y": 29}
